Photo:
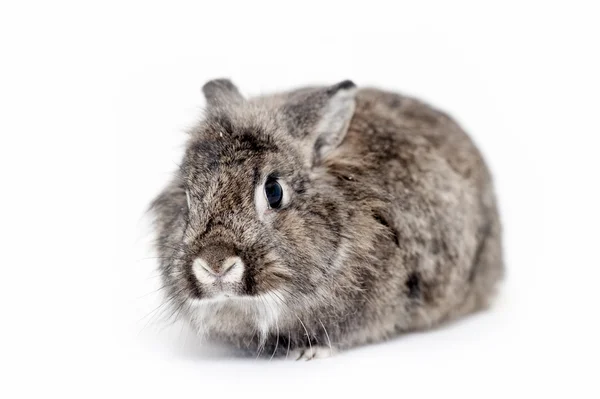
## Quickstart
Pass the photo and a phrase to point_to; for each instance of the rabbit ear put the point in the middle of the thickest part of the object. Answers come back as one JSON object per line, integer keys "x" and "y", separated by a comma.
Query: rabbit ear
{"x": 320, "y": 117}
{"x": 221, "y": 92}
{"x": 335, "y": 118}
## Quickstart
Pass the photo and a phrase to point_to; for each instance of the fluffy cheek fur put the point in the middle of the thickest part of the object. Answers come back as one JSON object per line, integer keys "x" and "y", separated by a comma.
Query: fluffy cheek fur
{"x": 311, "y": 244}
{"x": 294, "y": 251}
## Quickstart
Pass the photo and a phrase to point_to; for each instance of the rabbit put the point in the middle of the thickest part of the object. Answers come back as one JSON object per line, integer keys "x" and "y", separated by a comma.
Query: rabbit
{"x": 311, "y": 221}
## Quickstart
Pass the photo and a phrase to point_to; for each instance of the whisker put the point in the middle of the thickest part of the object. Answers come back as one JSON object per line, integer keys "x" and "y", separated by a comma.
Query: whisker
{"x": 156, "y": 290}
{"x": 175, "y": 314}
{"x": 169, "y": 247}
{"x": 167, "y": 301}
{"x": 153, "y": 316}
{"x": 261, "y": 336}
{"x": 327, "y": 335}
{"x": 276, "y": 342}
{"x": 160, "y": 257}
{"x": 307, "y": 335}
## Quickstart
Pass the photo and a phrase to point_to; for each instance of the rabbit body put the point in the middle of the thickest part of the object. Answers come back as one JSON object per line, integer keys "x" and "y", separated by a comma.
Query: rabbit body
{"x": 386, "y": 221}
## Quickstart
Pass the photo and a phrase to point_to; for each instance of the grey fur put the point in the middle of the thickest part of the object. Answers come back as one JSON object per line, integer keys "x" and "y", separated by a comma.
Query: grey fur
{"x": 391, "y": 227}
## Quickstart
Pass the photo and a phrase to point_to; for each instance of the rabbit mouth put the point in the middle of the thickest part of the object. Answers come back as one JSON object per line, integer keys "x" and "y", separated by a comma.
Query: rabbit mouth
{"x": 221, "y": 290}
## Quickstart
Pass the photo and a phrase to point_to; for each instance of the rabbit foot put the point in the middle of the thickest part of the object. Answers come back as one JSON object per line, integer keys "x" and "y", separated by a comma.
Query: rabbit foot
{"x": 310, "y": 353}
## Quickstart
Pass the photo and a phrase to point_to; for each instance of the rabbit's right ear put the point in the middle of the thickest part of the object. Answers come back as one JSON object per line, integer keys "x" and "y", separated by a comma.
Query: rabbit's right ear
{"x": 320, "y": 117}
{"x": 221, "y": 93}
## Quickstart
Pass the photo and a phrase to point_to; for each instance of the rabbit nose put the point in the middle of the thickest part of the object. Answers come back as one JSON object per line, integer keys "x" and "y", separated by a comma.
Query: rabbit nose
{"x": 219, "y": 270}
{"x": 216, "y": 264}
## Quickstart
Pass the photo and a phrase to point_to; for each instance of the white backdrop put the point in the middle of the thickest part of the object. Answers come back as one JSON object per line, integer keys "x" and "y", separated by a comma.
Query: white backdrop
{"x": 95, "y": 102}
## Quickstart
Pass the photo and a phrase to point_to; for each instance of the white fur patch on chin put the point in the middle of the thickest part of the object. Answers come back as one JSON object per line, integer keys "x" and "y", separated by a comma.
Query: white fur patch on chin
{"x": 311, "y": 353}
{"x": 233, "y": 313}
{"x": 269, "y": 310}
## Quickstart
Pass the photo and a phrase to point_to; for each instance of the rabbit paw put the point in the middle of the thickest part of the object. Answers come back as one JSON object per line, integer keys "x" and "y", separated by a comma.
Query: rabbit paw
{"x": 310, "y": 353}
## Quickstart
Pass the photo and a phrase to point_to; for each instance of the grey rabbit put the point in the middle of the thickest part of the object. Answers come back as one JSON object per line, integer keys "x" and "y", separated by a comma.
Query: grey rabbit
{"x": 311, "y": 221}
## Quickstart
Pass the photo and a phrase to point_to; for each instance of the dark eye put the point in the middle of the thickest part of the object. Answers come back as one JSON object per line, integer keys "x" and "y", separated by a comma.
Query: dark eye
{"x": 274, "y": 193}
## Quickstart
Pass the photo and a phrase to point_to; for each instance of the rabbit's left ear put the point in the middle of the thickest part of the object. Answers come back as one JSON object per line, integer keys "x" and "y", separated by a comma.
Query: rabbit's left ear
{"x": 321, "y": 117}
{"x": 221, "y": 93}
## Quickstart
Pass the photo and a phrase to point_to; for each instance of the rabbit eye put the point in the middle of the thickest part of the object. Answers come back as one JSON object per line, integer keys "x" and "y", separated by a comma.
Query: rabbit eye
{"x": 274, "y": 193}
